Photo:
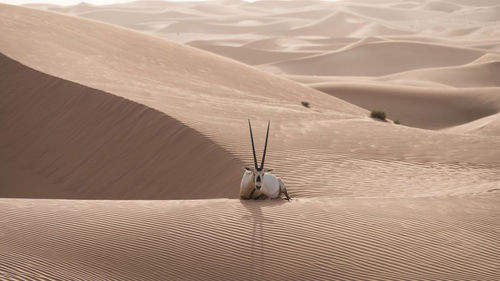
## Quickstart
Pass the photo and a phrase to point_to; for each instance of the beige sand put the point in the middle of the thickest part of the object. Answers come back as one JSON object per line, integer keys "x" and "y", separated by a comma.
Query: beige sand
{"x": 416, "y": 44}
{"x": 94, "y": 111}
{"x": 335, "y": 238}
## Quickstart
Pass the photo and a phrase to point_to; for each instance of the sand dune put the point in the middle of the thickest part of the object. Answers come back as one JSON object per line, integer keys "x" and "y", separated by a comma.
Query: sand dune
{"x": 229, "y": 239}
{"x": 251, "y": 56}
{"x": 346, "y": 24}
{"x": 96, "y": 111}
{"x": 381, "y": 12}
{"x": 489, "y": 125}
{"x": 135, "y": 19}
{"x": 379, "y": 58}
{"x": 313, "y": 44}
{"x": 441, "y": 6}
{"x": 322, "y": 27}
{"x": 204, "y": 98}
{"x": 443, "y": 107}
{"x": 192, "y": 94}
{"x": 475, "y": 75}
{"x": 203, "y": 27}
{"x": 64, "y": 140}
{"x": 427, "y": 43}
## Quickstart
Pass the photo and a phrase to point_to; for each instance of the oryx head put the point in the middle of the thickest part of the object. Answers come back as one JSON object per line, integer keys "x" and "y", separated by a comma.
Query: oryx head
{"x": 257, "y": 171}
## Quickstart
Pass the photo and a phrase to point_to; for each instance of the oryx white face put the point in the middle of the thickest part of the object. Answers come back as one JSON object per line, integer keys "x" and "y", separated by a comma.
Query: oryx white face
{"x": 258, "y": 172}
{"x": 258, "y": 176}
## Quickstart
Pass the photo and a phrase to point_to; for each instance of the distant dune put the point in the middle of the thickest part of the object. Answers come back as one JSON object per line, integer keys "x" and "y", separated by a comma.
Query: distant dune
{"x": 90, "y": 110}
{"x": 250, "y": 56}
{"x": 379, "y": 58}
{"x": 420, "y": 107}
{"x": 474, "y": 75}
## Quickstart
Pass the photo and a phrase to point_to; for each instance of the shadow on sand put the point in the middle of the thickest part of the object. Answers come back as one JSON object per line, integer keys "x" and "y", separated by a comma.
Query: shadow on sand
{"x": 257, "y": 218}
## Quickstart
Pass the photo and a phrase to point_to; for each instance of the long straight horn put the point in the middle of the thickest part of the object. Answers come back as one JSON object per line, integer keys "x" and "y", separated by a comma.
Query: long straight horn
{"x": 265, "y": 146}
{"x": 253, "y": 146}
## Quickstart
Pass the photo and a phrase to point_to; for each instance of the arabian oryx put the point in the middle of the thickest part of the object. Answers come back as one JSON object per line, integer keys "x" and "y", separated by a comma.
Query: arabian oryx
{"x": 257, "y": 182}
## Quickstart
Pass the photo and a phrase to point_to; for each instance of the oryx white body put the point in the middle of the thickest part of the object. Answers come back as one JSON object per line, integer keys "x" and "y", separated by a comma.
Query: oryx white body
{"x": 272, "y": 187}
{"x": 257, "y": 182}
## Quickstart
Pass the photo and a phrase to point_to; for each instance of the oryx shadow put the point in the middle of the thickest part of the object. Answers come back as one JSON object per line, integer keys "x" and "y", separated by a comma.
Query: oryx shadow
{"x": 257, "y": 217}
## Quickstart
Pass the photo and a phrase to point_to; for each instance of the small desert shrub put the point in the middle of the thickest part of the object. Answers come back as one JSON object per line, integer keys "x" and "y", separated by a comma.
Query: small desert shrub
{"x": 397, "y": 122}
{"x": 377, "y": 114}
{"x": 305, "y": 104}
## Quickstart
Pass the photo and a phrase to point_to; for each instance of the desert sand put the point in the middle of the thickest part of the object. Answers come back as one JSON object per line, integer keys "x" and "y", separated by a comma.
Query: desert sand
{"x": 124, "y": 137}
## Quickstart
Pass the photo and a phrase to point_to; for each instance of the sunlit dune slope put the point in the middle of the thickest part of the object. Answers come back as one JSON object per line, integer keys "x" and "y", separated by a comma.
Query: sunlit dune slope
{"x": 65, "y": 140}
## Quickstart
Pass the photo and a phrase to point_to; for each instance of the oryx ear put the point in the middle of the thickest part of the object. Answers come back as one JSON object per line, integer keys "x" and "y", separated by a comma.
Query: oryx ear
{"x": 266, "y": 170}
{"x": 248, "y": 169}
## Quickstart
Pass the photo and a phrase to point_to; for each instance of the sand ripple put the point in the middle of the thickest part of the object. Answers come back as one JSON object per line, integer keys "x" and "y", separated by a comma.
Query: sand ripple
{"x": 227, "y": 239}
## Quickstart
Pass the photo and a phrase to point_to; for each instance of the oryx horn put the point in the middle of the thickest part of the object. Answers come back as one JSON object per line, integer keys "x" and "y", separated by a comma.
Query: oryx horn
{"x": 265, "y": 146}
{"x": 253, "y": 147}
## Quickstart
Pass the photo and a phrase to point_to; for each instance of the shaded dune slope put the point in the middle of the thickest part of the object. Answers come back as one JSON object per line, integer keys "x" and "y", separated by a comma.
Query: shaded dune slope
{"x": 65, "y": 140}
